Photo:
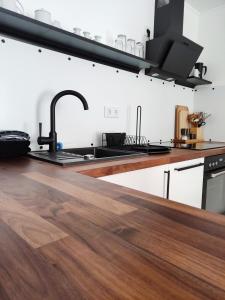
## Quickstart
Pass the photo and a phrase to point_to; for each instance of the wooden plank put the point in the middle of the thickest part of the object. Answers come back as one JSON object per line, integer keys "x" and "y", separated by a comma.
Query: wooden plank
{"x": 96, "y": 199}
{"x": 99, "y": 278}
{"x": 36, "y": 231}
{"x": 25, "y": 275}
{"x": 155, "y": 277}
{"x": 199, "y": 263}
{"x": 181, "y": 120}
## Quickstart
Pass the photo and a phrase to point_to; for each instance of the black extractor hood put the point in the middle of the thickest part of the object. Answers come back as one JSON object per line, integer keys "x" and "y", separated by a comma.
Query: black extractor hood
{"x": 175, "y": 54}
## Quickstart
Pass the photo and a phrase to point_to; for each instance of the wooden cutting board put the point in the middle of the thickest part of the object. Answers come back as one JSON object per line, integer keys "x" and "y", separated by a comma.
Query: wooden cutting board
{"x": 181, "y": 120}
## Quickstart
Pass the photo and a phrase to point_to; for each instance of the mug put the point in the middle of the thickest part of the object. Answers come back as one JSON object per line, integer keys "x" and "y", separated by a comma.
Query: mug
{"x": 201, "y": 68}
{"x": 43, "y": 15}
{"x": 13, "y": 5}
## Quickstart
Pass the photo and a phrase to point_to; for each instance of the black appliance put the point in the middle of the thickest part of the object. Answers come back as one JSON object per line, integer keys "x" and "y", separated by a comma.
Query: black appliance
{"x": 175, "y": 54}
{"x": 14, "y": 143}
{"x": 213, "y": 197}
{"x": 202, "y": 70}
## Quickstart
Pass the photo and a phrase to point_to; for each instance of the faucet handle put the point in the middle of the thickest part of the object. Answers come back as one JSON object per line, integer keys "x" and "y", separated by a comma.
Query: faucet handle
{"x": 40, "y": 129}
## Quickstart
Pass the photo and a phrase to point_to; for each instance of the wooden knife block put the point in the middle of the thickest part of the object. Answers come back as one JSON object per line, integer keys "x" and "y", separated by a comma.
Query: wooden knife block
{"x": 198, "y": 132}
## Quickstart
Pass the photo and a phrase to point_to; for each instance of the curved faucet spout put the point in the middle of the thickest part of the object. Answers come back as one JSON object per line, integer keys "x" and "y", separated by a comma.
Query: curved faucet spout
{"x": 52, "y": 139}
{"x": 58, "y": 97}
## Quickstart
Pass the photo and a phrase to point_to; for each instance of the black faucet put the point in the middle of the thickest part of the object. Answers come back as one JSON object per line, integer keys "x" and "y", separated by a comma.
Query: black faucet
{"x": 52, "y": 139}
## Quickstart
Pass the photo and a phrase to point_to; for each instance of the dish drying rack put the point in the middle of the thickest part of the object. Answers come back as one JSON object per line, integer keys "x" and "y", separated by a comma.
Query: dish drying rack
{"x": 132, "y": 140}
{"x": 136, "y": 140}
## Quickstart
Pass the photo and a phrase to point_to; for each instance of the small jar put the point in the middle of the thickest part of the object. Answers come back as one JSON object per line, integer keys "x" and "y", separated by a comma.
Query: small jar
{"x": 184, "y": 134}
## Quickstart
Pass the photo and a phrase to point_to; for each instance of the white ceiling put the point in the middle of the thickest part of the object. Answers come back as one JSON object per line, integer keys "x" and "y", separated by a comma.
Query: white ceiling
{"x": 204, "y": 5}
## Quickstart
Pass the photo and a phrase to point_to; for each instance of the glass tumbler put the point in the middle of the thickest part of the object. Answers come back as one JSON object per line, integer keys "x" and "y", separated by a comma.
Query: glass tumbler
{"x": 87, "y": 35}
{"x": 98, "y": 38}
{"x": 77, "y": 30}
{"x": 139, "y": 49}
{"x": 119, "y": 44}
{"x": 131, "y": 46}
{"x": 123, "y": 38}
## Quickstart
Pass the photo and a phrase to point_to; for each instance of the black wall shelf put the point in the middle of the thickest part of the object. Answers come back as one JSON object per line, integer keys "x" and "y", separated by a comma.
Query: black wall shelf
{"x": 192, "y": 82}
{"x": 40, "y": 34}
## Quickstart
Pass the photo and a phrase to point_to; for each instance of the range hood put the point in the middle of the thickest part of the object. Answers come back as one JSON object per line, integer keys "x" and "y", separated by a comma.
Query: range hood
{"x": 175, "y": 54}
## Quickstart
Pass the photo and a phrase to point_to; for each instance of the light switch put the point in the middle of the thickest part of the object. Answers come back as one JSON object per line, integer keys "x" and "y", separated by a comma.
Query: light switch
{"x": 111, "y": 112}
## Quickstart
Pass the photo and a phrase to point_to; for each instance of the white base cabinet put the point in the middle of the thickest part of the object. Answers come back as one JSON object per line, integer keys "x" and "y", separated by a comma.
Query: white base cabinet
{"x": 186, "y": 182}
{"x": 150, "y": 180}
{"x": 181, "y": 182}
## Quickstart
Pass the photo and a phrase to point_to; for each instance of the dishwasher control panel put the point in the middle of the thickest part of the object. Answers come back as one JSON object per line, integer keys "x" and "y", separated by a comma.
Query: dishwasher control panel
{"x": 214, "y": 162}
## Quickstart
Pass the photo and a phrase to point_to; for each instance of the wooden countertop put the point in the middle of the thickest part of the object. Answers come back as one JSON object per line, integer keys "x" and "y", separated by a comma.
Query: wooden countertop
{"x": 64, "y": 235}
{"x": 100, "y": 169}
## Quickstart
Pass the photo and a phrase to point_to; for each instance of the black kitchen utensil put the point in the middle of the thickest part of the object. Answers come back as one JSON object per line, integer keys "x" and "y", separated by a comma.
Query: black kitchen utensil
{"x": 138, "y": 125}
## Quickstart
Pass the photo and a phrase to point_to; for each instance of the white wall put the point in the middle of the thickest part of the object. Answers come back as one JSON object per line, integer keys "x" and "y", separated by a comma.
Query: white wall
{"x": 191, "y": 23}
{"x": 30, "y": 79}
{"x": 211, "y": 36}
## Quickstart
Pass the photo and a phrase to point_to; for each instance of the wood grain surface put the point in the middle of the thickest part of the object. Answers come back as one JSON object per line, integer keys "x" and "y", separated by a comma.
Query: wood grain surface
{"x": 97, "y": 199}
{"x": 29, "y": 226}
{"x": 64, "y": 235}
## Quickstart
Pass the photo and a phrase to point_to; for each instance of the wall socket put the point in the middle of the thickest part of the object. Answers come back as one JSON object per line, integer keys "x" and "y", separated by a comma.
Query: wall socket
{"x": 111, "y": 112}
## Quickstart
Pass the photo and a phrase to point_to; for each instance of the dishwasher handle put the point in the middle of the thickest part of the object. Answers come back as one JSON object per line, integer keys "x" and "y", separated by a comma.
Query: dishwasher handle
{"x": 168, "y": 185}
{"x": 189, "y": 167}
{"x": 214, "y": 175}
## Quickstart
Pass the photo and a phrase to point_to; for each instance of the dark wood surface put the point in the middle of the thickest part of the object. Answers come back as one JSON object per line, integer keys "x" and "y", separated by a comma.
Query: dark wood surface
{"x": 146, "y": 161}
{"x": 64, "y": 235}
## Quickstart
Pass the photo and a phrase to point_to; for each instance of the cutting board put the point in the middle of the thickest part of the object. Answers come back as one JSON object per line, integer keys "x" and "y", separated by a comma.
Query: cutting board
{"x": 181, "y": 120}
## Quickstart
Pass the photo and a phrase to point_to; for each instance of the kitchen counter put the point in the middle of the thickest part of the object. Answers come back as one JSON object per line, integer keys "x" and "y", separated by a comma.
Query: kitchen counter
{"x": 64, "y": 235}
{"x": 100, "y": 169}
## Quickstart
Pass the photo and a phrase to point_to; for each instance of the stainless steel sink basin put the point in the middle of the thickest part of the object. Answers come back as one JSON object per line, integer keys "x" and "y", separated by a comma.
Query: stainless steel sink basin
{"x": 81, "y": 155}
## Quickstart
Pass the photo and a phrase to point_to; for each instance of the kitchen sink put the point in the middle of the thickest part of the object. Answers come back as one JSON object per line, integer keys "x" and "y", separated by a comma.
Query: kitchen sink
{"x": 99, "y": 152}
{"x": 81, "y": 155}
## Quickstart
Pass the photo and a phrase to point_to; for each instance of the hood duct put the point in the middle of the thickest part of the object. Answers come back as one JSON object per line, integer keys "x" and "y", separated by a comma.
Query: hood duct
{"x": 175, "y": 54}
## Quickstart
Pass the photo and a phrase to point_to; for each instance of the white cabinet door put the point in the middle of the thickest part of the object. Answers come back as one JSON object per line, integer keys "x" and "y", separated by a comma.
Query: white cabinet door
{"x": 186, "y": 182}
{"x": 150, "y": 180}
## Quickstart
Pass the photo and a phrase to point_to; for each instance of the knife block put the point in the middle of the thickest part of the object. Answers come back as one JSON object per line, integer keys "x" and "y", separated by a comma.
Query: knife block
{"x": 198, "y": 131}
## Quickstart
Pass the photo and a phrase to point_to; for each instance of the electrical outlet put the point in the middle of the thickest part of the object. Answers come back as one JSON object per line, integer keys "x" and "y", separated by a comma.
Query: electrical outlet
{"x": 111, "y": 112}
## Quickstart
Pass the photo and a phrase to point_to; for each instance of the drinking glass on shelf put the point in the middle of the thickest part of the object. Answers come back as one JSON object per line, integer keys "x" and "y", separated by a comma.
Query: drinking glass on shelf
{"x": 77, "y": 30}
{"x": 98, "y": 38}
{"x": 123, "y": 38}
{"x": 119, "y": 44}
{"x": 131, "y": 46}
{"x": 87, "y": 35}
{"x": 139, "y": 49}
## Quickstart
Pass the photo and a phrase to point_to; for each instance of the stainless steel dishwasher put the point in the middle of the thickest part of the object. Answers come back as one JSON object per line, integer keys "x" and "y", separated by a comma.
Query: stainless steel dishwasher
{"x": 213, "y": 197}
